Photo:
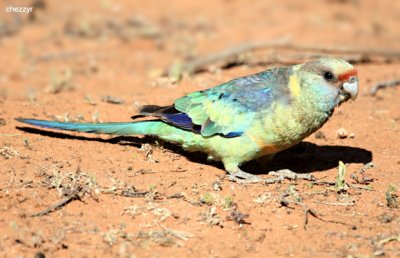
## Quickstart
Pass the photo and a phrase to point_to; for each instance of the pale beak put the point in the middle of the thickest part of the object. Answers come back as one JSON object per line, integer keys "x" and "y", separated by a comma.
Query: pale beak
{"x": 351, "y": 87}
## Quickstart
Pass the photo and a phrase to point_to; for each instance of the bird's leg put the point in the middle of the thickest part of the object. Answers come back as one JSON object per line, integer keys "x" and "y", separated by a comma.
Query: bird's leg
{"x": 283, "y": 174}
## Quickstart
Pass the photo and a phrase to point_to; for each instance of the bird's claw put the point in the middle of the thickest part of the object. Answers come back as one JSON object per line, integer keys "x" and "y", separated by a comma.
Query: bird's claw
{"x": 288, "y": 174}
{"x": 240, "y": 176}
{"x": 243, "y": 177}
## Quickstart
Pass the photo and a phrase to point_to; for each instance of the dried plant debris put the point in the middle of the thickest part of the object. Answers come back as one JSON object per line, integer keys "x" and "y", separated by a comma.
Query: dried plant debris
{"x": 211, "y": 217}
{"x": 60, "y": 81}
{"x": 31, "y": 238}
{"x": 26, "y": 143}
{"x": 380, "y": 242}
{"x": 308, "y": 211}
{"x": 386, "y": 240}
{"x": 386, "y": 218}
{"x": 67, "y": 117}
{"x": 112, "y": 100}
{"x": 31, "y": 95}
{"x": 89, "y": 100}
{"x": 208, "y": 199}
{"x": 164, "y": 237}
{"x": 185, "y": 198}
{"x": 8, "y": 152}
{"x": 290, "y": 195}
{"x": 263, "y": 198}
{"x": 360, "y": 176}
{"x": 117, "y": 187}
{"x": 237, "y": 216}
{"x": 160, "y": 213}
{"x": 111, "y": 237}
{"x": 96, "y": 117}
{"x": 148, "y": 151}
{"x": 391, "y": 196}
{"x": 341, "y": 185}
{"x": 336, "y": 203}
{"x": 132, "y": 192}
{"x": 228, "y": 202}
{"x": 159, "y": 237}
{"x": 72, "y": 186}
{"x": 120, "y": 187}
{"x": 175, "y": 72}
{"x": 292, "y": 191}
{"x": 136, "y": 210}
{"x": 125, "y": 30}
{"x": 216, "y": 186}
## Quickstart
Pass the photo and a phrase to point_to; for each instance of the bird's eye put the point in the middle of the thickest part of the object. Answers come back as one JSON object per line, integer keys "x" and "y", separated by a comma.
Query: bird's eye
{"x": 328, "y": 76}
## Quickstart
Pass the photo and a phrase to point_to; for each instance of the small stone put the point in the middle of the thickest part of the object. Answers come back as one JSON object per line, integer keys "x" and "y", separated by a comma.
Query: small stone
{"x": 40, "y": 255}
{"x": 352, "y": 136}
{"x": 386, "y": 218}
{"x": 216, "y": 186}
{"x": 320, "y": 135}
{"x": 342, "y": 133}
{"x": 379, "y": 253}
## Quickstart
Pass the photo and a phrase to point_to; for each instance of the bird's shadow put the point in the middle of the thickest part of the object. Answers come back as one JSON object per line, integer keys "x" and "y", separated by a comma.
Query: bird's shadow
{"x": 305, "y": 157}
{"x": 308, "y": 157}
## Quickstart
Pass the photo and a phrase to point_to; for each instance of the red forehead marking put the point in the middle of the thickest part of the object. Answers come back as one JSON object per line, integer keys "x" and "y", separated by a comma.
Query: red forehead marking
{"x": 346, "y": 76}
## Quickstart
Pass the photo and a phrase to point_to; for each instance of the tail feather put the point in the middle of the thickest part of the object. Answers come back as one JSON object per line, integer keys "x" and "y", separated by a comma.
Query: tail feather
{"x": 122, "y": 128}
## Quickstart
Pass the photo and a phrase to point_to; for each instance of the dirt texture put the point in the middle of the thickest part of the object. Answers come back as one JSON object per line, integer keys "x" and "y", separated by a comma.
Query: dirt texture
{"x": 81, "y": 195}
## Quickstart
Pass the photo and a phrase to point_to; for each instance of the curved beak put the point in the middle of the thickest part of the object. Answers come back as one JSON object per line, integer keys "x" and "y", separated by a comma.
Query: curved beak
{"x": 351, "y": 87}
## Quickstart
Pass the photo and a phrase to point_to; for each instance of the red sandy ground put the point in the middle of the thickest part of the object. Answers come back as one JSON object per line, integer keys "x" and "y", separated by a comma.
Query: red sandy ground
{"x": 104, "y": 59}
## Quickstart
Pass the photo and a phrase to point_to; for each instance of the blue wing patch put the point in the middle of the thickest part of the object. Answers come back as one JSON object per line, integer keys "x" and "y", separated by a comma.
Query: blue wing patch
{"x": 181, "y": 120}
{"x": 176, "y": 118}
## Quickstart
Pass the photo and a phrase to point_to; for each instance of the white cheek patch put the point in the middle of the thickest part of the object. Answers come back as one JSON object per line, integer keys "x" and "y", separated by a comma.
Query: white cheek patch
{"x": 351, "y": 88}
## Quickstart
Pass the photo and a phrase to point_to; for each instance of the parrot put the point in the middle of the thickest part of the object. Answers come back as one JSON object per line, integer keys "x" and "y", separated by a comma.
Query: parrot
{"x": 243, "y": 119}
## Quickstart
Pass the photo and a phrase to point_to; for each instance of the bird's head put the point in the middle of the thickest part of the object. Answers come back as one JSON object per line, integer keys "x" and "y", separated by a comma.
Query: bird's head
{"x": 331, "y": 79}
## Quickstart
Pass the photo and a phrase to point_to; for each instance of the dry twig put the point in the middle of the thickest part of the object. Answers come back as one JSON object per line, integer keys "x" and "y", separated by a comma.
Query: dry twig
{"x": 332, "y": 183}
{"x": 382, "y": 85}
{"x": 353, "y": 54}
{"x": 73, "y": 196}
{"x": 185, "y": 198}
{"x": 199, "y": 64}
{"x": 384, "y": 241}
{"x": 335, "y": 203}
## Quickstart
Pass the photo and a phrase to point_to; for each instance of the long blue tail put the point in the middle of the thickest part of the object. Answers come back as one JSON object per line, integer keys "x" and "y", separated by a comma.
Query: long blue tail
{"x": 123, "y": 128}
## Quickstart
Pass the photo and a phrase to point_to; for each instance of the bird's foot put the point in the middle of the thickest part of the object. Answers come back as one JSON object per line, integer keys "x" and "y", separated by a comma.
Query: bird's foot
{"x": 283, "y": 174}
{"x": 240, "y": 176}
